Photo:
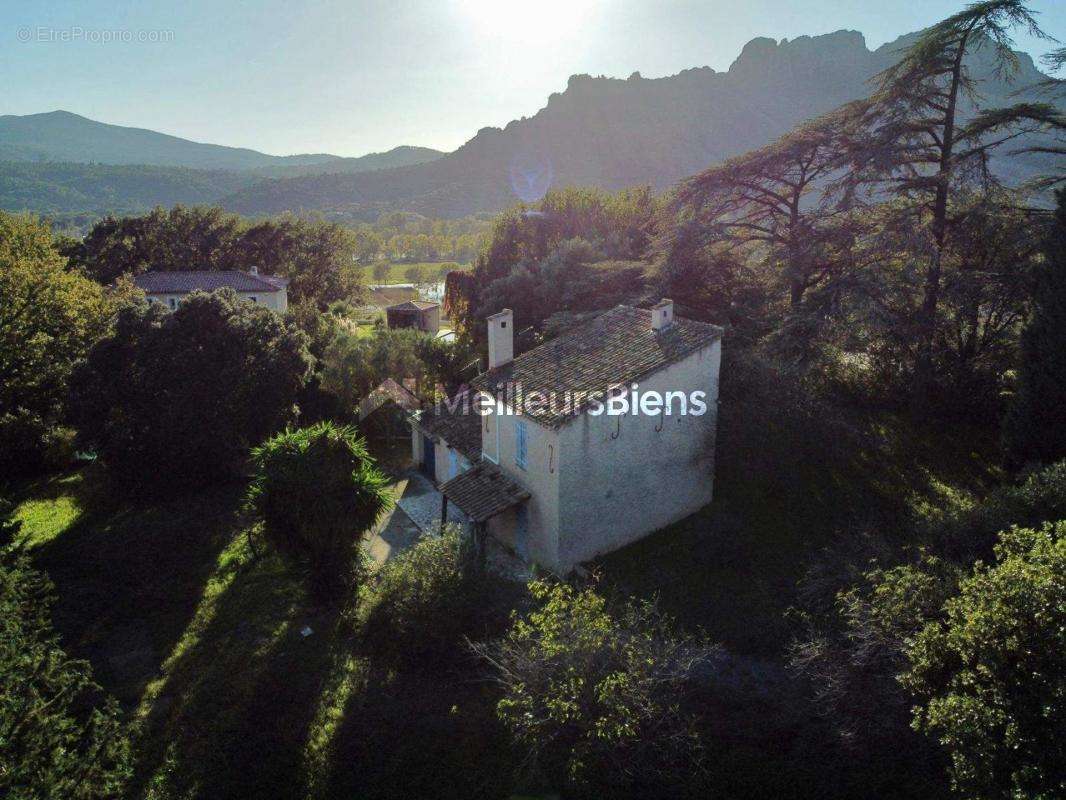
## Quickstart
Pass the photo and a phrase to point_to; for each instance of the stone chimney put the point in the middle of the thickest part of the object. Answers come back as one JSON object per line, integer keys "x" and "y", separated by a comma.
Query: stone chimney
{"x": 501, "y": 338}
{"x": 662, "y": 315}
{"x": 254, "y": 270}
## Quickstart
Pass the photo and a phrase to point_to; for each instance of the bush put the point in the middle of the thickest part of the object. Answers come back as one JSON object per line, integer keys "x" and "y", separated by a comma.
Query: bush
{"x": 316, "y": 491}
{"x": 23, "y": 437}
{"x": 428, "y": 600}
{"x": 30, "y": 445}
{"x": 60, "y": 736}
{"x": 49, "y": 317}
{"x": 991, "y": 677}
{"x": 971, "y": 533}
{"x": 596, "y": 696}
{"x": 178, "y": 399}
{"x": 854, "y": 654}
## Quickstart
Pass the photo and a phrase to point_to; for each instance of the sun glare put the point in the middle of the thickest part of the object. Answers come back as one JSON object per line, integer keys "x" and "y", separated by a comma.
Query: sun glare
{"x": 520, "y": 20}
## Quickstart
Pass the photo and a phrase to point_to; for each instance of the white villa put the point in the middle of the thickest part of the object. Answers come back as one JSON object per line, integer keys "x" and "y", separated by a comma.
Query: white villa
{"x": 567, "y": 480}
{"x": 170, "y": 287}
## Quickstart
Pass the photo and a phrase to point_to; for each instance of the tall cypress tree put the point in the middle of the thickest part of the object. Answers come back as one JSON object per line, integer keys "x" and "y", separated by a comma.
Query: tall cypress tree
{"x": 1035, "y": 428}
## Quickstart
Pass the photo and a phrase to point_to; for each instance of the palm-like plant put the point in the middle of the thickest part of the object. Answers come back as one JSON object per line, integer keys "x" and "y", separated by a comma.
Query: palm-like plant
{"x": 317, "y": 491}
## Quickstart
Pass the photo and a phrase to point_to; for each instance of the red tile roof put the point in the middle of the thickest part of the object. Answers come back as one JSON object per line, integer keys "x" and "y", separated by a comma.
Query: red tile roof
{"x": 618, "y": 347}
{"x": 483, "y": 491}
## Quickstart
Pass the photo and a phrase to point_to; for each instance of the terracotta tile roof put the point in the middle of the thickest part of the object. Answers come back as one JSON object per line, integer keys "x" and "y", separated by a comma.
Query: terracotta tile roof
{"x": 412, "y": 305}
{"x": 483, "y": 491}
{"x": 461, "y": 430}
{"x": 184, "y": 281}
{"x": 618, "y": 347}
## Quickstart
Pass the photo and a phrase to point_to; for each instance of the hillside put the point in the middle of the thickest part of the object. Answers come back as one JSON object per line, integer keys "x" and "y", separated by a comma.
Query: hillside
{"x": 402, "y": 156}
{"x": 61, "y": 188}
{"x": 613, "y": 133}
{"x": 64, "y": 137}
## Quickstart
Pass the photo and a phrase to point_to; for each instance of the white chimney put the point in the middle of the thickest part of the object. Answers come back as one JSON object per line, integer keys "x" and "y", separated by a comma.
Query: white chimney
{"x": 253, "y": 269}
{"x": 501, "y": 338}
{"x": 662, "y": 315}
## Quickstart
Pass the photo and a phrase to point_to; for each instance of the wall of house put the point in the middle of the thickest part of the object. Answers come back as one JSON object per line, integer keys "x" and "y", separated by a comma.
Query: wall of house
{"x": 442, "y": 457}
{"x": 540, "y": 478}
{"x": 431, "y": 320}
{"x": 275, "y": 301}
{"x": 623, "y": 477}
{"x": 489, "y": 438}
{"x": 417, "y": 449}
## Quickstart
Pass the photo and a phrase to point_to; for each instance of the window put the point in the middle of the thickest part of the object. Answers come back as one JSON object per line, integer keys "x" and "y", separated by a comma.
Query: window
{"x": 173, "y": 303}
{"x": 520, "y": 443}
{"x": 252, "y": 298}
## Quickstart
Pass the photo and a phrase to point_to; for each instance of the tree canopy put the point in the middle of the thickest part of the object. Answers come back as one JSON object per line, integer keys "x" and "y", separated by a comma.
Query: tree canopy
{"x": 171, "y": 399}
{"x": 318, "y": 257}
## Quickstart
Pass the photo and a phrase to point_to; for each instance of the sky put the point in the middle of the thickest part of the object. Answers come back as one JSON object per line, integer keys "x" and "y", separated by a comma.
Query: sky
{"x": 355, "y": 77}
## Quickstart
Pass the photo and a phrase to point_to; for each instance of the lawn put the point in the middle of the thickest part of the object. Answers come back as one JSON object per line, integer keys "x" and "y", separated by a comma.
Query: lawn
{"x": 238, "y": 685}
{"x": 429, "y": 272}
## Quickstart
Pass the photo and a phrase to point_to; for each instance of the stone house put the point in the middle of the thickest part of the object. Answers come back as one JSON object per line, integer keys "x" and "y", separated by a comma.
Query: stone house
{"x": 170, "y": 287}
{"x": 540, "y": 455}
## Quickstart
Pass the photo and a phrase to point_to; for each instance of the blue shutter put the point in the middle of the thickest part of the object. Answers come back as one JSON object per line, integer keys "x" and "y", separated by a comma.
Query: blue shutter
{"x": 520, "y": 444}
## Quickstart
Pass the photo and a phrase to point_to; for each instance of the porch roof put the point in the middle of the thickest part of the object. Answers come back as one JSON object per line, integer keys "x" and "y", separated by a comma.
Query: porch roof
{"x": 483, "y": 491}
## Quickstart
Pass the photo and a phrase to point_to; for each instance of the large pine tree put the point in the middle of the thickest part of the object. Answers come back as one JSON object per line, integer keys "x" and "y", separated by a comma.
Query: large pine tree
{"x": 1036, "y": 425}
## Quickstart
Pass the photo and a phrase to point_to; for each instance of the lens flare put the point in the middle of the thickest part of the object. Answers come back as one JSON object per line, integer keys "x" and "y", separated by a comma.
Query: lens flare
{"x": 531, "y": 176}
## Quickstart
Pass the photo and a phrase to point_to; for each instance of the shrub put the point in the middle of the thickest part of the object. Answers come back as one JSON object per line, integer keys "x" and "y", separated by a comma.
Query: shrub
{"x": 23, "y": 437}
{"x": 991, "y": 677}
{"x": 596, "y": 696}
{"x": 426, "y": 600}
{"x": 971, "y": 533}
{"x": 60, "y": 736}
{"x": 317, "y": 490}
{"x": 49, "y": 317}
{"x": 177, "y": 399}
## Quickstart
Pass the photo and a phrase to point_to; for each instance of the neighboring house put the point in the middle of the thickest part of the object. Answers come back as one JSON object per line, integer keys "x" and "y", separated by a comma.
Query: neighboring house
{"x": 416, "y": 314}
{"x": 170, "y": 287}
{"x": 559, "y": 484}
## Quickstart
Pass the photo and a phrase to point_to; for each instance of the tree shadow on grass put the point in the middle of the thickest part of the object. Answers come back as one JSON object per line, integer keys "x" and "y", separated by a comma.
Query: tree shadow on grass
{"x": 231, "y": 715}
{"x": 428, "y": 734}
{"x": 129, "y": 579}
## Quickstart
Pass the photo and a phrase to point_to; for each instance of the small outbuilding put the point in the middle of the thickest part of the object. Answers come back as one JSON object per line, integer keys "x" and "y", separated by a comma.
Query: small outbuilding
{"x": 417, "y": 314}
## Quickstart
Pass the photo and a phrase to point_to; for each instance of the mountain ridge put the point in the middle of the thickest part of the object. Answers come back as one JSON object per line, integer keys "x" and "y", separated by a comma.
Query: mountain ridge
{"x": 615, "y": 132}
{"x": 599, "y": 131}
{"x": 65, "y": 137}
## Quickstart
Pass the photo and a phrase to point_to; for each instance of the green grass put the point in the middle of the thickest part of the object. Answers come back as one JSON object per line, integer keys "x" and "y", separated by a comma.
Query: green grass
{"x": 199, "y": 635}
{"x": 429, "y": 272}
{"x": 47, "y": 514}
